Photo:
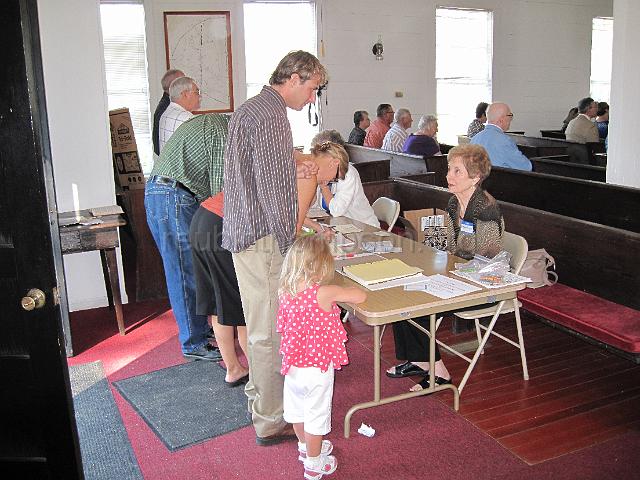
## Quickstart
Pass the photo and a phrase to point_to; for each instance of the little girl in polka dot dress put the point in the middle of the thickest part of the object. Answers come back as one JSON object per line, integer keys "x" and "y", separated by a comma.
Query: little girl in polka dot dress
{"x": 312, "y": 347}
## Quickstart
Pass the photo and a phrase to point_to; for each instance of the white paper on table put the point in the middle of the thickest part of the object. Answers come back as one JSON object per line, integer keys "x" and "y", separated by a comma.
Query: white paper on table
{"x": 342, "y": 241}
{"x": 346, "y": 228}
{"x": 385, "y": 246}
{"x": 444, "y": 287}
{"x": 317, "y": 212}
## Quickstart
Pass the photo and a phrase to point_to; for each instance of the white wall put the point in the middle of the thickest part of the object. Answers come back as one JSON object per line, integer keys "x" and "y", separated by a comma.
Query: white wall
{"x": 79, "y": 129}
{"x": 542, "y": 55}
{"x": 156, "y": 58}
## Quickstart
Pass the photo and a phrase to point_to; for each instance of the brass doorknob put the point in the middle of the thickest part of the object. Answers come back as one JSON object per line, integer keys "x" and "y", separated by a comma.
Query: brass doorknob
{"x": 35, "y": 299}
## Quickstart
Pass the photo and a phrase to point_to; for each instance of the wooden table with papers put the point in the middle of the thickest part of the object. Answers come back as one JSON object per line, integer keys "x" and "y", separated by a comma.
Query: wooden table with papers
{"x": 391, "y": 305}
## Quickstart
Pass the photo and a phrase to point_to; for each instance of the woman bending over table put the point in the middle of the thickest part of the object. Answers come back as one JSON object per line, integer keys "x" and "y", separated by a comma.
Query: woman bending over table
{"x": 346, "y": 199}
{"x": 475, "y": 227}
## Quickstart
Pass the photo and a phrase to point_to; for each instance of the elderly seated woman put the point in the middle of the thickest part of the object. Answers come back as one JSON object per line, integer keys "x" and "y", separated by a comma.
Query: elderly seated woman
{"x": 423, "y": 142}
{"x": 475, "y": 226}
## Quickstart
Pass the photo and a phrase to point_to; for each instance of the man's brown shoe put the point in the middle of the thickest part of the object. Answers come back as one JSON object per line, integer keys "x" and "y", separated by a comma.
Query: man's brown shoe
{"x": 286, "y": 434}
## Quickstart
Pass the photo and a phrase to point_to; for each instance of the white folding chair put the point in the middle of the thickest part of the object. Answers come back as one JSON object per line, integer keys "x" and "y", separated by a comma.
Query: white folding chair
{"x": 517, "y": 247}
{"x": 386, "y": 210}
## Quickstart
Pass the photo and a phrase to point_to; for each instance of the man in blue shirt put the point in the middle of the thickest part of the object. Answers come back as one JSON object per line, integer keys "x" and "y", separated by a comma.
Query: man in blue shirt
{"x": 502, "y": 150}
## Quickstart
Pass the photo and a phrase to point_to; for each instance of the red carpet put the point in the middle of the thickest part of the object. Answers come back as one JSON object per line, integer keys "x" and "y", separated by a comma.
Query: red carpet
{"x": 413, "y": 437}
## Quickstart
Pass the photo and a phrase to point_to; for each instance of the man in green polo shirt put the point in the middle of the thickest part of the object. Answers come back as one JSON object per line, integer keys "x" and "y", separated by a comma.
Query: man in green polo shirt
{"x": 188, "y": 171}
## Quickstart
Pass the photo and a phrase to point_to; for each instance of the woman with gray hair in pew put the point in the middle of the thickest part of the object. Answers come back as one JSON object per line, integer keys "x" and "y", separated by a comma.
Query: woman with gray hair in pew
{"x": 423, "y": 142}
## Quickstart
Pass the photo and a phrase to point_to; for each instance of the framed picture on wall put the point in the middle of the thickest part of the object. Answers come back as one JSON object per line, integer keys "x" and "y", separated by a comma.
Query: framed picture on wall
{"x": 199, "y": 44}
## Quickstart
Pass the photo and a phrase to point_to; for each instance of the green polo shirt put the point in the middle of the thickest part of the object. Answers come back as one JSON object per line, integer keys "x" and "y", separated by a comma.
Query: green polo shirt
{"x": 194, "y": 155}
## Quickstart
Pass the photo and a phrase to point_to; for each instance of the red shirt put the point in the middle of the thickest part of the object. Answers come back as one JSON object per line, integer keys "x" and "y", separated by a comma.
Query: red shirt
{"x": 375, "y": 134}
{"x": 214, "y": 204}
{"x": 311, "y": 337}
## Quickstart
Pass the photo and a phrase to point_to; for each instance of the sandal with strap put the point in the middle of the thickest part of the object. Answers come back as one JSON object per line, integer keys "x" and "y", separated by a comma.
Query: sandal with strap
{"x": 406, "y": 369}
{"x": 424, "y": 383}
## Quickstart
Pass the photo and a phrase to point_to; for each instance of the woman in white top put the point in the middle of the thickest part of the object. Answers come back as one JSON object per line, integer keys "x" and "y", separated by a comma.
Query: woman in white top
{"x": 346, "y": 198}
{"x": 342, "y": 194}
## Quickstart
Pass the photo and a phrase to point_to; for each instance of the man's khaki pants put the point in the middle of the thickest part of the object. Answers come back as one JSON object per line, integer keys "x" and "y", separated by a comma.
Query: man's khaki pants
{"x": 258, "y": 271}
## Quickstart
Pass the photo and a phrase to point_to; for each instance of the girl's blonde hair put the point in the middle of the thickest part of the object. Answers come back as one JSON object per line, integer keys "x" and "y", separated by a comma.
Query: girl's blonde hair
{"x": 308, "y": 261}
{"x": 334, "y": 150}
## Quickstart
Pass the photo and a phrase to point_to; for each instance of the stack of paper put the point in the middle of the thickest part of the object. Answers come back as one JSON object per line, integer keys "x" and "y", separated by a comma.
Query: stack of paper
{"x": 381, "y": 271}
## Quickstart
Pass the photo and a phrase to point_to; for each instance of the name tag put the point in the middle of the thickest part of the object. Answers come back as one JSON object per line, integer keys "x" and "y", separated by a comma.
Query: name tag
{"x": 466, "y": 227}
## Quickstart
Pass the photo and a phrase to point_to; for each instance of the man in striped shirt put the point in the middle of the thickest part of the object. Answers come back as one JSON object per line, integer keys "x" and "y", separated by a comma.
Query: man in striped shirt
{"x": 260, "y": 211}
{"x": 188, "y": 171}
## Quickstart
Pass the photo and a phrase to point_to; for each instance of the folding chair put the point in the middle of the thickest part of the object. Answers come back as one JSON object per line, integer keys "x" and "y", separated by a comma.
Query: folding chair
{"x": 517, "y": 247}
{"x": 386, "y": 210}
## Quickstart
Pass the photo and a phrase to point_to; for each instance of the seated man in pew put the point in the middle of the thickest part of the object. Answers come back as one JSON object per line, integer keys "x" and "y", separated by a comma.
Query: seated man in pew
{"x": 394, "y": 139}
{"x": 502, "y": 150}
{"x": 379, "y": 127}
{"x": 361, "y": 122}
{"x": 582, "y": 129}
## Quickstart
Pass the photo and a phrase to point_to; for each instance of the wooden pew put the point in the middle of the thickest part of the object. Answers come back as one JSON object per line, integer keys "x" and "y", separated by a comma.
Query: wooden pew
{"x": 404, "y": 164}
{"x": 359, "y": 154}
{"x": 594, "y": 261}
{"x": 544, "y": 147}
{"x": 374, "y": 170}
{"x": 607, "y": 204}
{"x": 553, "y": 134}
{"x": 560, "y": 165}
{"x": 603, "y": 203}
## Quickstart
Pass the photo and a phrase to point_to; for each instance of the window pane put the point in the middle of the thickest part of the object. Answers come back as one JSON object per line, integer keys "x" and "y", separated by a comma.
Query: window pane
{"x": 464, "y": 51}
{"x": 271, "y": 31}
{"x": 126, "y": 70}
{"x": 601, "y": 52}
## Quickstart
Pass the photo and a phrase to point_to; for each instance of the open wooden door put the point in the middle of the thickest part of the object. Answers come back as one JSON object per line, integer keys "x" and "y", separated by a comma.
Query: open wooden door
{"x": 38, "y": 437}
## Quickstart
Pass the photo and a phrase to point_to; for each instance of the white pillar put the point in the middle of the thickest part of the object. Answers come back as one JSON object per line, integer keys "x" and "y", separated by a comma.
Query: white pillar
{"x": 623, "y": 162}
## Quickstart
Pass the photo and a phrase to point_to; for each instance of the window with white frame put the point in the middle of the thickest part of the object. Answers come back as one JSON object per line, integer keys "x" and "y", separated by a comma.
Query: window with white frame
{"x": 464, "y": 54}
{"x": 125, "y": 62}
{"x": 272, "y": 29}
{"x": 601, "y": 52}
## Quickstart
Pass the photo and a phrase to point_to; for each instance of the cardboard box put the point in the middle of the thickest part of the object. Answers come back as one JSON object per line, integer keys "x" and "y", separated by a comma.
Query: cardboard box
{"x": 431, "y": 221}
{"x": 126, "y": 162}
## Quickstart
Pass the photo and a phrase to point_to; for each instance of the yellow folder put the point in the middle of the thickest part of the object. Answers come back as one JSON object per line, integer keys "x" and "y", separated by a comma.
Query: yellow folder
{"x": 380, "y": 271}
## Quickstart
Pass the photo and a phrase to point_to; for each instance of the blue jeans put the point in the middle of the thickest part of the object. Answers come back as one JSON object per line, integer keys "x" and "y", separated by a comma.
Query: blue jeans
{"x": 170, "y": 209}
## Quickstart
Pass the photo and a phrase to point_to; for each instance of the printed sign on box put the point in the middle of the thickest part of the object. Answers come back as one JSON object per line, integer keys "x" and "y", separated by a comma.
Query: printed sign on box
{"x": 431, "y": 226}
{"x": 125, "y": 151}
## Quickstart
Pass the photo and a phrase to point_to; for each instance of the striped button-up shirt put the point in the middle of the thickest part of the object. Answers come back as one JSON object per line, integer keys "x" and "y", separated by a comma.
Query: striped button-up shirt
{"x": 195, "y": 153}
{"x": 395, "y": 138}
{"x": 260, "y": 190}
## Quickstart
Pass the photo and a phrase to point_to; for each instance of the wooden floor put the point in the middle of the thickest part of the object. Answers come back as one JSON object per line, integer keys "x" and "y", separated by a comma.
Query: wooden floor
{"x": 577, "y": 395}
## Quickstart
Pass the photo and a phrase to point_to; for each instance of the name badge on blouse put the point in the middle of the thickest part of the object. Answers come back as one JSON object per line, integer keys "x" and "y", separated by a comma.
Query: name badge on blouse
{"x": 466, "y": 227}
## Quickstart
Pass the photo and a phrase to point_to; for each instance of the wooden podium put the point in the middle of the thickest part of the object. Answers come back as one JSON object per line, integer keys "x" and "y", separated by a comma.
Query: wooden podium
{"x": 149, "y": 272}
